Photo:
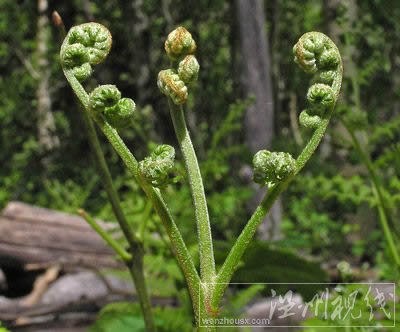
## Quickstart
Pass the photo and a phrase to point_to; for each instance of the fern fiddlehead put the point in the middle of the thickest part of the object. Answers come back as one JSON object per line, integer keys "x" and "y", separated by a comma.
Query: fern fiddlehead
{"x": 85, "y": 45}
{"x": 188, "y": 69}
{"x": 172, "y": 86}
{"x": 106, "y": 99}
{"x": 172, "y": 82}
{"x": 272, "y": 167}
{"x": 156, "y": 167}
{"x": 316, "y": 54}
{"x": 179, "y": 43}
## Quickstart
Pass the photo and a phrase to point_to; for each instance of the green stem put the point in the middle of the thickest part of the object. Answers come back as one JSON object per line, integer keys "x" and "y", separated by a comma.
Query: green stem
{"x": 136, "y": 270}
{"x": 122, "y": 253}
{"x": 377, "y": 190}
{"x": 105, "y": 175}
{"x": 135, "y": 265}
{"x": 179, "y": 247}
{"x": 228, "y": 268}
{"x": 154, "y": 195}
{"x": 145, "y": 218}
{"x": 136, "y": 247}
{"x": 207, "y": 263}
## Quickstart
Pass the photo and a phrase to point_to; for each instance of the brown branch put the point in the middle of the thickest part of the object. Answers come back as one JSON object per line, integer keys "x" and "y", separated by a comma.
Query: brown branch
{"x": 41, "y": 285}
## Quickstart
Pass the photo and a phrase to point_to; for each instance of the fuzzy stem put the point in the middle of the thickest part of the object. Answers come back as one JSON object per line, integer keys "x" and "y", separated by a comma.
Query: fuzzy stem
{"x": 122, "y": 253}
{"x": 228, "y": 268}
{"x": 207, "y": 263}
{"x": 136, "y": 270}
{"x": 108, "y": 183}
{"x": 377, "y": 190}
{"x": 135, "y": 265}
{"x": 136, "y": 247}
{"x": 178, "y": 245}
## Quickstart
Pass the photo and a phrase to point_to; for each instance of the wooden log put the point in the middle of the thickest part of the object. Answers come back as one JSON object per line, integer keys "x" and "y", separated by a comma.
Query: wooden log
{"x": 15, "y": 310}
{"x": 30, "y": 234}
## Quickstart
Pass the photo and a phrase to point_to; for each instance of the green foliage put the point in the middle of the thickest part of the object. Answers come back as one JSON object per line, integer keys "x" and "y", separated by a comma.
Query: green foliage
{"x": 316, "y": 225}
{"x": 68, "y": 196}
{"x": 386, "y": 132}
{"x": 125, "y": 316}
{"x": 346, "y": 190}
{"x": 122, "y": 317}
{"x": 263, "y": 263}
{"x": 359, "y": 298}
{"x": 311, "y": 231}
{"x": 3, "y": 329}
{"x": 386, "y": 152}
{"x": 237, "y": 301}
{"x": 224, "y": 150}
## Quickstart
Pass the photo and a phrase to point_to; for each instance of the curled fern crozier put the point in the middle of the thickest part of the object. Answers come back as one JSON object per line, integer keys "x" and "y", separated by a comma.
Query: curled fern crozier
{"x": 155, "y": 168}
{"x": 179, "y": 43}
{"x": 188, "y": 69}
{"x": 316, "y": 54}
{"x": 85, "y": 45}
{"x": 106, "y": 100}
{"x": 171, "y": 85}
{"x": 272, "y": 167}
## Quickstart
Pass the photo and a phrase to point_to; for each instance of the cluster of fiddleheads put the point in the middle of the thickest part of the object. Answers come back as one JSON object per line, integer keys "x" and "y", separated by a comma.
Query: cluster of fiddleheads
{"x": 89, "y": 44}
{"x": 172, "y": 82}
{"x": 316, "y": 54}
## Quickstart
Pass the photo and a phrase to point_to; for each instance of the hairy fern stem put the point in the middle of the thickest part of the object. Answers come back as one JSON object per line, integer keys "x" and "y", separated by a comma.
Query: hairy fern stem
{"x": 207, "y": 264}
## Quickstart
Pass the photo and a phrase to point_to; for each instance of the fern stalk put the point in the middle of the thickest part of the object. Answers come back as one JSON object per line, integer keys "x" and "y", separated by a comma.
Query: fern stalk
{"x": 207, "y": 264}
{"x": 122, "y": 253}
